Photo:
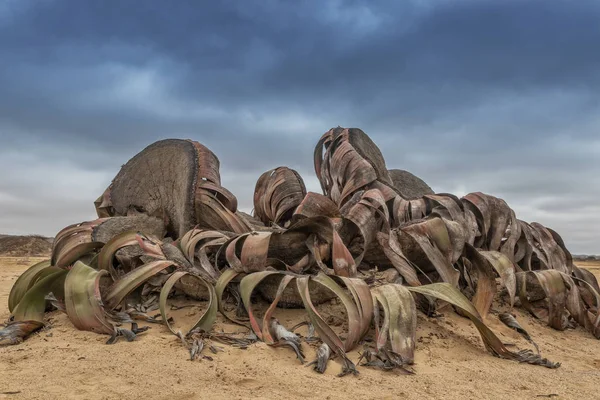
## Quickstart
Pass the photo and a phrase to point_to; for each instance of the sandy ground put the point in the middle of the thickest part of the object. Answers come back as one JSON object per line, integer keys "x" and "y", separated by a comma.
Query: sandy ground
{"x": 451, "y": 363}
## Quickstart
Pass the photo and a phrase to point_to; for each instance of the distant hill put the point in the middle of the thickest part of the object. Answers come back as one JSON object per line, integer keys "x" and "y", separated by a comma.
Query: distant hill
{"x": 585, "y": 257}
{"x": 25, "y": 246}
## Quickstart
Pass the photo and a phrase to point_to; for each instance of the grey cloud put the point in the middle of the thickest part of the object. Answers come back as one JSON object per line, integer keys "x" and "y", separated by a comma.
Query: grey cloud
{"x": 500, "y": 97}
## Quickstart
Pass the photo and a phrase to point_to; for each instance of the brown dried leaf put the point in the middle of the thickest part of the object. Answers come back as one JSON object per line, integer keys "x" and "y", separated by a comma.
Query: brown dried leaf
{"x": 277, "y": 194}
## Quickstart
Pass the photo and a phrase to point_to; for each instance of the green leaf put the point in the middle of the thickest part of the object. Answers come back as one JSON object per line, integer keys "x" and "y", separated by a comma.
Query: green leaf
{"x": 25, "y": 282}
{"x": 33, "y": 304}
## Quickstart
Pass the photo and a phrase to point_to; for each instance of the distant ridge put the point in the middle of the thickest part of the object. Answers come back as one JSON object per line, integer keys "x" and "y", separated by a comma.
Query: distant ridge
{"x": 585, "y": 257}
{"x": 25, "y": 246}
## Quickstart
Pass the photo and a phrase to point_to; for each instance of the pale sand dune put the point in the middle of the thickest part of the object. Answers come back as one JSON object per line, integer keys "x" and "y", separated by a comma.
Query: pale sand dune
{"x": 450, "y": 363}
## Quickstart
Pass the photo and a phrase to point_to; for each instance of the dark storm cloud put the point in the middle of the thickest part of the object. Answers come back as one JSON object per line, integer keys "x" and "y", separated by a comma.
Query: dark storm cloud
{"x": 500, "y": 97}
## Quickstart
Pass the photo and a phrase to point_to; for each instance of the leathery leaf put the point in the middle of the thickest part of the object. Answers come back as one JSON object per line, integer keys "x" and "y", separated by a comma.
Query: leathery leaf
{"x": 82, "y": 299}
{"x": 247, "y": 286}
{"x": 28, "y": 314}
{"x": 107, "y": 254}
{"x": 400, "y": 320}
{"x": 324, "y": 331}
{"x": 206, "y": 320}
{"x": 493, "y": 344}
{"x": 25, "y": 281}
{"x": 129, "y": 282}
{"x": 224, "y": 280}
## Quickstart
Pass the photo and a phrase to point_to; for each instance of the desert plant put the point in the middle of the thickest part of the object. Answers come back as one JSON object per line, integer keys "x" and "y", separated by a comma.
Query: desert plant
{"x": 166, "y": 224}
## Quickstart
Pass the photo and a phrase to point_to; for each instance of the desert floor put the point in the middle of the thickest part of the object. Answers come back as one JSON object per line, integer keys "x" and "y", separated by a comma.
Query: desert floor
{"x": 451, "y": 363}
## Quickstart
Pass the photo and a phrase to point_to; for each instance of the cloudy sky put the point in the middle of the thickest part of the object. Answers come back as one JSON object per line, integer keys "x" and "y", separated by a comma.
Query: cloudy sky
{"x": 495, "y": 96}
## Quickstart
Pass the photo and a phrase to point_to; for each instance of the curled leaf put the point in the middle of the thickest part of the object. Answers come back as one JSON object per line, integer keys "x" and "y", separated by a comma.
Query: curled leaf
{"x": 486, "y": 280}
{"x": 505, "y": 269}
{"x": 195, "y": 245}
{"x": 206, "y": 320}
{"x": 315, "y": 204}
{"x": 554, "y": 287}
{"x": 277, "y": 194}
{"x": 82, "y": 299}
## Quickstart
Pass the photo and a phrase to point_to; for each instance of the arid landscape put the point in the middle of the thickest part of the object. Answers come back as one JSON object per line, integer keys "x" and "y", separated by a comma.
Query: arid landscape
{"x": 451, "y": 363}
{"x": 339, "y": 199}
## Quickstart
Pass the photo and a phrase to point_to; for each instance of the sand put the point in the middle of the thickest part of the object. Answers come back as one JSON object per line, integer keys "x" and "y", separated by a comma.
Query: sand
{"x": 451, "y": 363}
